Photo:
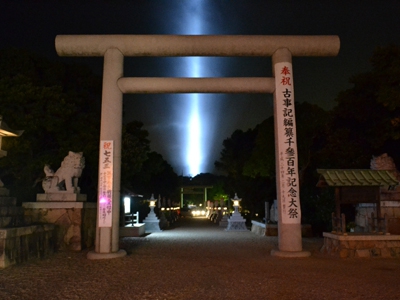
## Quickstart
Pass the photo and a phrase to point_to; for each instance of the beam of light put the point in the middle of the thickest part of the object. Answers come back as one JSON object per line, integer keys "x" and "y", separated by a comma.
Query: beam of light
{"x": 194, "y": 14}
{"x": 193, "y": 157}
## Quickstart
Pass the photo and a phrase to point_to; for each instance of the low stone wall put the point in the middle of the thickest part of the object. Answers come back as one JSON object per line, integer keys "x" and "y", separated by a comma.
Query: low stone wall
{"x": 23, "y": 243}
{"x": 361, "y": 245}
{"x": 75, "y": 222}
{"x": 272, "y": 229}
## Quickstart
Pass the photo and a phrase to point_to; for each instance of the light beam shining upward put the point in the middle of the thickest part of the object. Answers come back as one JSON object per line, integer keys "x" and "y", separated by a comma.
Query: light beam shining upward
{"x": 194, "y": 137}
{"x": 193, "y": 25}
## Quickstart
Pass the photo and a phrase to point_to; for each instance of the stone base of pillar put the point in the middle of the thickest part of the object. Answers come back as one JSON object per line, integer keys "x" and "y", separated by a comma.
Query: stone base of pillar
{"x": 290, "y": 254}
{"x": 94, "y": 255}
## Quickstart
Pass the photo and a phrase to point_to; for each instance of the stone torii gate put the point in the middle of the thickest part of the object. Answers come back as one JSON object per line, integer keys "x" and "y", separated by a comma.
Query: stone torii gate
{"x": 115, "y": 47}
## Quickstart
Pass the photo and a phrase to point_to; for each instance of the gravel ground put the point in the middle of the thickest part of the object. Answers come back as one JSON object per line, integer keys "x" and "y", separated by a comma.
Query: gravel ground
{"x": 196, "y": 259}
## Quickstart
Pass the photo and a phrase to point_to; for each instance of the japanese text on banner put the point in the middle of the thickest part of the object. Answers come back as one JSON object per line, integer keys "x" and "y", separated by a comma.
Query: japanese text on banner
{"x": 287, "y": 144}
{"x": 105, "y": 184}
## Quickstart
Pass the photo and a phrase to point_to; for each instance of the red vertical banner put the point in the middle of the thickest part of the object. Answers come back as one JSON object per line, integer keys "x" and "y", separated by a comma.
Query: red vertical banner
{"x": 289, "y": 186}
{"x": 105, "y": 184}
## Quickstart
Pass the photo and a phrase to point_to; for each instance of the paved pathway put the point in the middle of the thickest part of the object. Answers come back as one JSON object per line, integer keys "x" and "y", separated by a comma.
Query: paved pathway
{"x": 196, "y": 259}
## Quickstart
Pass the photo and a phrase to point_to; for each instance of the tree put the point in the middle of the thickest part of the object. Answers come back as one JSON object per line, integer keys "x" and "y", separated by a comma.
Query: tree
{"x": 364, "y": 123}
{"x": 256, "y": 166}
{"x": 58, "y": 107}
{"x": 236, "y": 150}
{"x": 156, "y": 177}
{"x": 310, "y": 124}
{"x": 135, "y": 150}
{"x": 366, "y": 120}
{"x": 261, "y": 161}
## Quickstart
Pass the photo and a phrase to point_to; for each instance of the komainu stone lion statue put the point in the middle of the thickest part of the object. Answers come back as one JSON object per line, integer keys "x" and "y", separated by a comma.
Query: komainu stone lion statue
{"x": 66, "y": 177}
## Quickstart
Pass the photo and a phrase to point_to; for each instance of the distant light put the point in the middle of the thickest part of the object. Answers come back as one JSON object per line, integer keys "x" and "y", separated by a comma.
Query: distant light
{"x": 103, "y": 200}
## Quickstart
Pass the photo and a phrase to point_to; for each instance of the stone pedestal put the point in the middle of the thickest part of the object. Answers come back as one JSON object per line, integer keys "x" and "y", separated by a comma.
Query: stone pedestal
{"x": 61, "y": 197}
{"x": 75, "y": 221}
{"x": 236, "y": 223}
{"x": 152, "y": 223}
{"x": 134, "y": 230}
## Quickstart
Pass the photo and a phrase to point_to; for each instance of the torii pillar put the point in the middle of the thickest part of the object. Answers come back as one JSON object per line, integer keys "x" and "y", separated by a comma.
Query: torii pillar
{"x": 287, "y": 179}
{"x": 115, "y": 47}
{"x": 107, "y": 227}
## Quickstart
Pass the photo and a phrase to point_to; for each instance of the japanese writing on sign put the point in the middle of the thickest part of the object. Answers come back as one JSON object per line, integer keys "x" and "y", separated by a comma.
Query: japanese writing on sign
{"x": 287, "y": 178}
{"x": 105, "y": 184}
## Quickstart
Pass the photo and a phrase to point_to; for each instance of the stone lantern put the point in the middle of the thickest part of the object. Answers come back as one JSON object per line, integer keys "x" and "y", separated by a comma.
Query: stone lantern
{"x": 5, "y": 131}
{"x": 236, "y": 222}
{"x": 151, "y": 221}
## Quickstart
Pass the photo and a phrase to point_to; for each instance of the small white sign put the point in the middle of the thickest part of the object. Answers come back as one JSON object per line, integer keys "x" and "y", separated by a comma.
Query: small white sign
{"x": 105, "y": 184}
{"x": 286, "y": 145}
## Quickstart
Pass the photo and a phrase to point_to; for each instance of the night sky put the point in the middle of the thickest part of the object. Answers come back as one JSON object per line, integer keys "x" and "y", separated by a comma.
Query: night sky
{"x": 360, "y": 25}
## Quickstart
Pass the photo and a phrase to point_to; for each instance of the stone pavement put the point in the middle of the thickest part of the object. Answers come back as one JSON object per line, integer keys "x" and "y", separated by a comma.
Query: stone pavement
{"x": 197, "y": 259}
